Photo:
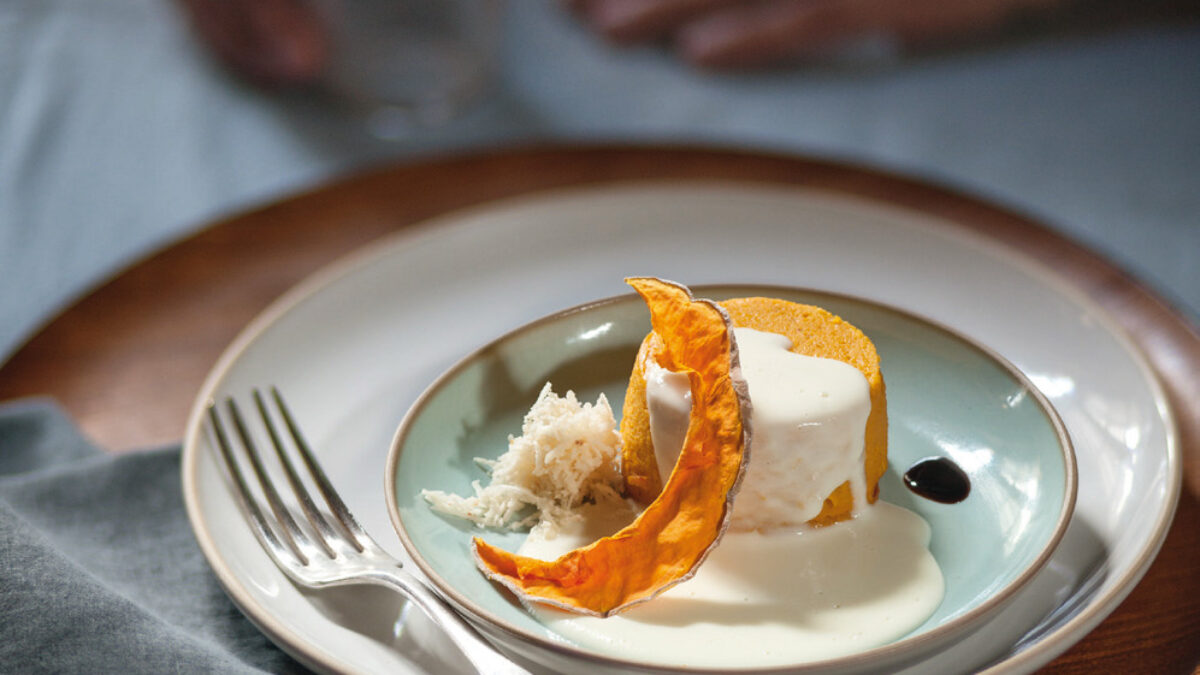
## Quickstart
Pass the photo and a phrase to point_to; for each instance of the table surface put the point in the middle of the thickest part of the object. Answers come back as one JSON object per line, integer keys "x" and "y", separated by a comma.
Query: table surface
{"x": 126, "y": 360}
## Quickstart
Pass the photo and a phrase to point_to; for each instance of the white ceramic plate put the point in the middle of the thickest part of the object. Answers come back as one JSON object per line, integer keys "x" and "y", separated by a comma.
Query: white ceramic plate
{"x": 353, "y": 346}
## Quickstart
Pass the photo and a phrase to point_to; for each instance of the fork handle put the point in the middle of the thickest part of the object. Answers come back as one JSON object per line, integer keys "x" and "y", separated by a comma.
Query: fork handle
{"x": 482, "y": 655}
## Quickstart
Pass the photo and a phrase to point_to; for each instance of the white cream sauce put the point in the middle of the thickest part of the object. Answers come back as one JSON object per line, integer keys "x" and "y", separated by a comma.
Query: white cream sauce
{"x": 771, "y": 599}
{"x": 808, "y": 420}
{"x": 669, "y": 402}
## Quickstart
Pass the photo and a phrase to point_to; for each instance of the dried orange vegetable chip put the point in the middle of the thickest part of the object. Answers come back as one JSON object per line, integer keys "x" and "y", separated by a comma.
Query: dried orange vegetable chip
{"x": 673, "y": 535}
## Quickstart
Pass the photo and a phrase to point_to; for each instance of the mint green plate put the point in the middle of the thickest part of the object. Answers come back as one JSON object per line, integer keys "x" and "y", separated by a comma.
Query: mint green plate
{"x": 947, "y": 397}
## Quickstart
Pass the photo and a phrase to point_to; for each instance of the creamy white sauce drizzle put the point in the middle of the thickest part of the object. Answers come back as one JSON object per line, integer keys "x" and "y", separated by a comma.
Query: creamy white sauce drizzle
{"x": 772, "y": 599}
{"x": 669, "y": 402}
{"x": 808, "y": 419}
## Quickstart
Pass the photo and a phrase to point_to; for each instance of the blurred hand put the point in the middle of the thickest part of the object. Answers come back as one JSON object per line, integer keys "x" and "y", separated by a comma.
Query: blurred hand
{"x": 270, "y": 42}
{"x": 283, "y": 42}
{"x": 749, "y": 33}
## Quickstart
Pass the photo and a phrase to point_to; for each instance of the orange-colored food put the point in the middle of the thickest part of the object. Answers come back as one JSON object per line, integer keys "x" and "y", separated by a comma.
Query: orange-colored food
{"x": 813, "y": 332}
{"x": 675, "y": 532}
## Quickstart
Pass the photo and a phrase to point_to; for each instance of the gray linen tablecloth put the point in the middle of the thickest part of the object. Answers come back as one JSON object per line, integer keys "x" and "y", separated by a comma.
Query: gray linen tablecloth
{"x": 118, "y": 136}
{"x": 99, "y": 571}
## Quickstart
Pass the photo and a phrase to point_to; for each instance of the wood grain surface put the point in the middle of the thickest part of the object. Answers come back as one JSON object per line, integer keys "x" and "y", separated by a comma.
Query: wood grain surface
{"x": 126, "y": 360}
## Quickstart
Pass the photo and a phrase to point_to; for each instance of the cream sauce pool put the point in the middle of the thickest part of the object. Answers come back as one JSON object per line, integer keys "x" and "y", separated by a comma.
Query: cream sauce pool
{"x": 763, "y": 600}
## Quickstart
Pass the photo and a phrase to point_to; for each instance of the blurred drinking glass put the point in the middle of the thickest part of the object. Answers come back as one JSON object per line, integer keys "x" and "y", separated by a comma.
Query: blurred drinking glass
{"x": 410, "y": 64}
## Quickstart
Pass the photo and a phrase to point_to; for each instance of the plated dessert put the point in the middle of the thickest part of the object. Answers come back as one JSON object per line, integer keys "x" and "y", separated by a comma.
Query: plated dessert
{"x": 748, "y": 512}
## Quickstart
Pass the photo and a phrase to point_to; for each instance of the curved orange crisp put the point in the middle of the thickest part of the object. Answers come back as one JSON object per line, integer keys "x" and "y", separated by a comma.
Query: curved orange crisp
{"x": 674, "y": 534}
{"x": 813, "y": 331}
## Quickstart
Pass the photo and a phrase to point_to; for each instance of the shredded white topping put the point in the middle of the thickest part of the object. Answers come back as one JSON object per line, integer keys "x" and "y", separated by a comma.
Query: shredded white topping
{"x": 567, "y": 454}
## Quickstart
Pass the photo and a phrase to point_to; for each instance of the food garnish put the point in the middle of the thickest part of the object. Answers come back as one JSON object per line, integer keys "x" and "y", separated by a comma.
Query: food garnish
{"x": 567, "y": 454}
{"x": 675, "y": 532}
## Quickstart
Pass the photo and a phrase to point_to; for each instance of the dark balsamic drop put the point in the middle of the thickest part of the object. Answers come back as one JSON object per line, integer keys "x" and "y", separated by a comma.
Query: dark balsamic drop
{"x": 939, "y": 479}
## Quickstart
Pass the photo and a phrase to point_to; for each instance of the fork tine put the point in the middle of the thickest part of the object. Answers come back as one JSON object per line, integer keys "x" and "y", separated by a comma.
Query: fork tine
{"x": 294, "y": 536}
{"x": 336, "y": 506}
{"x": 315, "y": 517}
{"x": 262, "y": 528}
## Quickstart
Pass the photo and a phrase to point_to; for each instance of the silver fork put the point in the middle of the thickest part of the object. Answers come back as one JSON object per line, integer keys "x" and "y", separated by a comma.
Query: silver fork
{"x": 341, "y": 552}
